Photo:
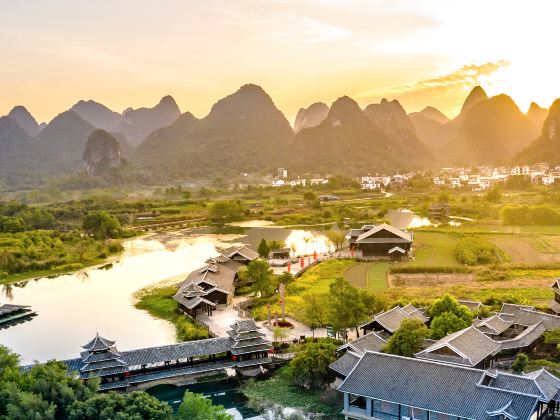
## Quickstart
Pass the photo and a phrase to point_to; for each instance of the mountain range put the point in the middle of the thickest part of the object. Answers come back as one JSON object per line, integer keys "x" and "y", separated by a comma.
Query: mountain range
{"x": 246, "y": 132}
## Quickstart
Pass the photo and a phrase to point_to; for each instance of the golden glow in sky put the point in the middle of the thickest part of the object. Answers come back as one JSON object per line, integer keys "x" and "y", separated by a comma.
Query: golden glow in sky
{"x": 132, "y": 52}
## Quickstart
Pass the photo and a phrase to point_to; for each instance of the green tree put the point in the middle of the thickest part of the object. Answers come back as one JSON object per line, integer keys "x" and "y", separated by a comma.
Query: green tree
{"x": 279, "y": 334}
{"x": 494, "y": 195}
{"x": 448, "y": 303}
{"x": 136, "y": 405}
{"x": 223, "y": 212}
{"x": 196, "y": 407}
{"x": 309, "y": 196}
{"x": 520, "y": 363}
{"x": 348, "y": 307}
{"x": 260, "y": 274}
{"x": 315, "y": 311}
{"x": 446, "y": 323}
{"x": 336, "y": 237}
{"x": 408, "y": 339}
{"x": 101, "y": 225}
{"x": 263, "y": 248}
{"x": 550, "y": 337}
{"x": 310, "y": 368}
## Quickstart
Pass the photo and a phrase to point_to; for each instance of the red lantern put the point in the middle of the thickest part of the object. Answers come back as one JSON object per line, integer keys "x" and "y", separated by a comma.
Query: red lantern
{"x": 314, "y": 255}
{"x": 126, "y": 374}
{"x": 234, "y": 358}
{"x": 289, "y": 267}
{"x": 270, "y": 351}
{"x": 301, "y": 262}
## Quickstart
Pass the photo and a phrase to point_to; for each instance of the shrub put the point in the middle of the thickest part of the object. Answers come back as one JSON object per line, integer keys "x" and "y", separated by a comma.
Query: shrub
{"x": 475, "y": 250}
{"x": 529, "y": 215}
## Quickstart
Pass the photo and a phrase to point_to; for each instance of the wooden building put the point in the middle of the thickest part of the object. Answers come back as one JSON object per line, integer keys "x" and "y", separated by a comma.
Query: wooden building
{"x": 381, "y": 241}
{"x": 214, "y": 284}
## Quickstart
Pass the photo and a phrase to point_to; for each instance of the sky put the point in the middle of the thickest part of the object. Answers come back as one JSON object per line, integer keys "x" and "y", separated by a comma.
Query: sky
{"x": 130, "y": 53}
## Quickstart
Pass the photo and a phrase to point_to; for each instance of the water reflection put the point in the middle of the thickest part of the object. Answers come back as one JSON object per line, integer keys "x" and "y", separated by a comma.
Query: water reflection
{"x": 72, "y": 308}
{"x": 406, "y": 219}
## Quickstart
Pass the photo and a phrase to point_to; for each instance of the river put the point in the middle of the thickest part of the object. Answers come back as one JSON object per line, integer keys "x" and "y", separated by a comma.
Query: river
{"x": 72, "y": 308}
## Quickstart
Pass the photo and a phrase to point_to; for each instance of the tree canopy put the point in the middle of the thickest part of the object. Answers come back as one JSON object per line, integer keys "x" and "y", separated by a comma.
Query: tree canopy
{"x": 101, "y": 225}
{"x": 408, "y": 339}
{"x": 448, "y": 316}
{"x": 196, "y": 407}
{"x": 348, "y": 306}
{"x": 310, "y": 367}
{"x": 260, "y": 274}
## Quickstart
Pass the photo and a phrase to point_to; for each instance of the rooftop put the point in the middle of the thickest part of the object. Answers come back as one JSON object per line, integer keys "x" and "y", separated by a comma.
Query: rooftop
{"x": 429, "y": 385}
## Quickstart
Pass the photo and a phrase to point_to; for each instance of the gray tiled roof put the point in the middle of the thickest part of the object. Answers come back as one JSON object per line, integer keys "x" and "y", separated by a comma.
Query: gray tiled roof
{"x": 494, "y": 325}
{"x": 242, "y": 251}
{"x": 511, "y": 308}
{"x": 525, "y": 338}
{"x": 547, "y": 383}
{"x": 99, "y": 343}
{"x": 344, "y": 364}
{"x": 9, "y": 308}
{"x": 177, "y": 351}
{"x": 372, "y": 341}
{"x": 469, "y": 344}
{"x": 391, "y": 319}
{"x": 428, "y": 385}
{"x": 404, "y": 237}
{"x": 472, "y": 305}
{"x": 527, "y": 384}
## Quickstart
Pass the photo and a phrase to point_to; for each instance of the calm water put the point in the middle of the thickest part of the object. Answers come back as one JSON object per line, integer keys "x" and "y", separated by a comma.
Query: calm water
{"x": 225, "y": 393}
{"x": 73, "y": 308}
{"x": 406, "y": 219}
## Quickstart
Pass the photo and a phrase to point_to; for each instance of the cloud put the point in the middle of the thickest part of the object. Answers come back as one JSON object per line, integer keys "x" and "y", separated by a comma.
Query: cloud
{"x": 465, "y": 76}
{"x": 446, "y": 91}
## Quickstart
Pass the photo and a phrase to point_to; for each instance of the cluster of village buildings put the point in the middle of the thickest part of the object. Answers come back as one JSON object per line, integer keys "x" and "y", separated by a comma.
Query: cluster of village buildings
{"x": 473, "y": 178}
{"x": 456, "y": 377}
{"x": 479, "y": 179}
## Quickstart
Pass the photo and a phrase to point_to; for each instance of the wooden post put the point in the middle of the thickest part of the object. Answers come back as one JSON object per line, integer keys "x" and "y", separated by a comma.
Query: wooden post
{"x": 282, "y": 290}
{"x": 269, "y": 318}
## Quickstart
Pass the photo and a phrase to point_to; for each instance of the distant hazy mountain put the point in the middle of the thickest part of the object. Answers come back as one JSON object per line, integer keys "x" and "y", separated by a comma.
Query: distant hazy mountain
{"x": 16, "y": 148}
{"x": 137, "y": 124}
{"x": 98, "y": 115}
{"x": 102, "y": 153}
{"x": 391, "y": 117}
{"x": 25, "y": 120}
{"x": 537, "y": 115}
{"x": 489, "y": 131}
{"x": 432, "y": 113}
{"x": 349, "y": 142}
{"x": 61, "y": 143}
{"x": 475, "y": 96}
{"x": 547, "y": 146}
{"x": 311, "y": 116}
{"x": 243, "y": 131}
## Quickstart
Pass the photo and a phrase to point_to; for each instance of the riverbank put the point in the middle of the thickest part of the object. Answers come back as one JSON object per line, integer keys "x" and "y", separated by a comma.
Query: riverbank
{"x": 158, "y": 302}
{"x": 100, "y": 255}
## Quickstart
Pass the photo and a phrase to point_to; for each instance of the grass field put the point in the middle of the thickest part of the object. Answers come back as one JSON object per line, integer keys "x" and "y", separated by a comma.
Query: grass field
{"x": 527, "y": 249}
{"x": 371, "y": 275}
{"x": 377, "y": 276}
{"x": 315, "y": 280}
{"x": 357, "y": 275}
{"x": 434, "y": 249}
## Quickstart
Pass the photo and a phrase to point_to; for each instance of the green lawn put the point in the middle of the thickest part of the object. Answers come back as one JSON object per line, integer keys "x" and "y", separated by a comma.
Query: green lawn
{"x": 159, "y": 303}
{"x": 434, "y": 249}
{"x": 377, "y": 276}
{"x": 315, "y": 280}
{"x": 357, "y": 275}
